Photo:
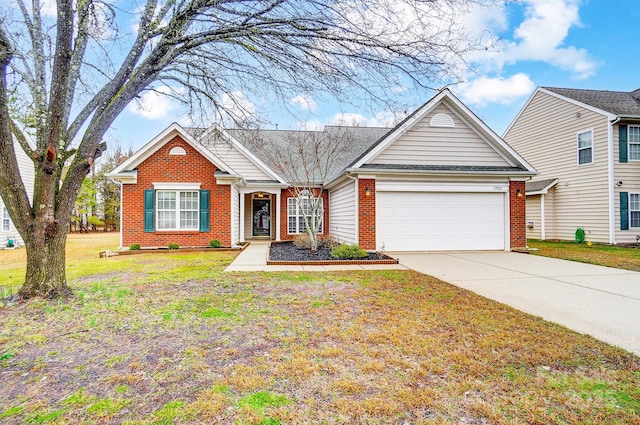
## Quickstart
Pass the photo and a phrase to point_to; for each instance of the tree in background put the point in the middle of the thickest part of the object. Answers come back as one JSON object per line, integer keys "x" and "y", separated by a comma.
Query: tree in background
{"x": 72, "y": 70}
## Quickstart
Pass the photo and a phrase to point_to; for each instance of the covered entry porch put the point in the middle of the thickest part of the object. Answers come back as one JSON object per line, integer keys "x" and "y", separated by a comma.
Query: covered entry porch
{"x": 260, "y": 213}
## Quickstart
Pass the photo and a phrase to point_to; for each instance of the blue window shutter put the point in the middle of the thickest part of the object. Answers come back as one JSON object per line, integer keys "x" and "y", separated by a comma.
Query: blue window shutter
{"x": 624, "y": 210}
{"x": 149, "y": 210}
{"x": 204, "y": 210}
{"x": 623, "y": 143}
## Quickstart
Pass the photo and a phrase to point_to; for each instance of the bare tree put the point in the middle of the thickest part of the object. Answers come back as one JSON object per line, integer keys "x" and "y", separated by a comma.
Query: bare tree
{"x": 308, "y": 160}
{"x": 68, "y": 72}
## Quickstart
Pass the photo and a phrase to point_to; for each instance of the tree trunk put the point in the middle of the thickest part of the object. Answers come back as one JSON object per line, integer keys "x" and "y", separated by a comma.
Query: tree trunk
{"x": 46, "y": 275}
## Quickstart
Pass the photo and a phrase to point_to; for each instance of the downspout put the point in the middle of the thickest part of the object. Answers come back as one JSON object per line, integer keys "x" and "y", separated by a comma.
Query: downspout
{"x": 543, "y": 224}
{"x": 357, "y": 210}
{"x": 612, "y": 207}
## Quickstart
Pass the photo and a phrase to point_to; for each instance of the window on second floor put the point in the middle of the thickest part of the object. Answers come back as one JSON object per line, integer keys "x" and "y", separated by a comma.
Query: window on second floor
{"x": 585, "y": 147}
{"x": 634, "y": 142}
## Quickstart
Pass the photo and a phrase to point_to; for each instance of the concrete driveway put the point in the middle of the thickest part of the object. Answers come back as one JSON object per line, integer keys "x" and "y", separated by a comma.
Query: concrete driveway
{"x": 599, "y": 301}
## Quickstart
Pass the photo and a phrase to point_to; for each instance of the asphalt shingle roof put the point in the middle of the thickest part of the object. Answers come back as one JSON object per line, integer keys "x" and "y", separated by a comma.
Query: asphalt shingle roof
{"x": 535, "y": 186}
{"x": 615, "y": 102}
{"x": 359, "y": 140}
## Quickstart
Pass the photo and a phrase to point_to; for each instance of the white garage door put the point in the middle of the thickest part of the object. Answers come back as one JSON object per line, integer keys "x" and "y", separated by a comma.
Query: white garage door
{"x": 430, "y": 221}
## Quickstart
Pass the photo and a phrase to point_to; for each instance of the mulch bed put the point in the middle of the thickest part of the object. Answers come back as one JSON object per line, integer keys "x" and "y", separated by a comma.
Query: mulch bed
{"x": 286, "y": 253}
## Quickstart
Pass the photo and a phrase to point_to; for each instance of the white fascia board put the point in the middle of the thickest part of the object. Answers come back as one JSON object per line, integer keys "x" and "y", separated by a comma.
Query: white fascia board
{"x": 399, "y": 171}
{"x": 124, "y": 177}
{"x": 242, "y": 149}
{"x": 160, "y": 140}
{"x": 176, "y": 186}
{"x": 400, "y": 130}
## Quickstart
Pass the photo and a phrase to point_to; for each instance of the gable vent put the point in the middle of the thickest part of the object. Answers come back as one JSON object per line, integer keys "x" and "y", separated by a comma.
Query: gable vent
{"x": 178, "y": 150}
{"x": 441, "y": 120}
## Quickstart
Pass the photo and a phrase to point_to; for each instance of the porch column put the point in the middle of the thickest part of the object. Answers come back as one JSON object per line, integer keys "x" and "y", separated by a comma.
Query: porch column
{"x": 242, "y": 217}
{"x": 543, "y": 225}
{"x": 278, "y": 218}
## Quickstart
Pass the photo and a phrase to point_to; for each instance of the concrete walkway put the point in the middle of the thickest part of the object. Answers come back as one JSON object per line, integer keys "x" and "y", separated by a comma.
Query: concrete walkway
{"x": 600, "y": 301}
{"x": 254, "y": 258}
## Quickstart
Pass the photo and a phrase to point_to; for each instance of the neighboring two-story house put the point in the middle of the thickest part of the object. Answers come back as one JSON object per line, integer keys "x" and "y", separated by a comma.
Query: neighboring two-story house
{"x": 585, "y": 145}
{"x": 27, "y": 173}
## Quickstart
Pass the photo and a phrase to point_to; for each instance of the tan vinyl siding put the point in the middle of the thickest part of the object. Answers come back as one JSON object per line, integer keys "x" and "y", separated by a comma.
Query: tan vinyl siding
{"x": 238, "y": 162}
{"x": 545, "y": 134}
{"x": 423, "y": 144}
{"x": 342, "y": 213}
{"x": 534, "y": 215}
{"x": 629, "y": 174}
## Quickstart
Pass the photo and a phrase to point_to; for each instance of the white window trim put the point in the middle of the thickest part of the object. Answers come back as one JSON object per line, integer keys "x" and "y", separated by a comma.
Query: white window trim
{"x": 299, "y": 232}
{"x": 177, "y": 186}
{"x": 630, "y": 210}
{"x": 629, "y": 143}
{"x": 5, "y": 216}
{"x": 177, "y": 211}
{"x": 593, "y": 150}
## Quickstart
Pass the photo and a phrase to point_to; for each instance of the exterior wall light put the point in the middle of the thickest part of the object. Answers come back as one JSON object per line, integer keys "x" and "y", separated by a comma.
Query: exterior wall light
{"x": 367, "y": 191}
{"x": 519, "y": 193}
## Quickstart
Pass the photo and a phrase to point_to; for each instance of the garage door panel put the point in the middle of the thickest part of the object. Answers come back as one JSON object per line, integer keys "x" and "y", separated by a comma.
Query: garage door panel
{"x": 432, "y": 221}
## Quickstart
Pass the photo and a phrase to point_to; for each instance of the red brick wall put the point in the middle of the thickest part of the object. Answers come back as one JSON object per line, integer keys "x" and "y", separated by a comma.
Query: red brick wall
{"x": 284, "y": 217}
{"x": 518, "y": 215}
{"x": 367, "y": 214}
{"x": 164, "y": 168}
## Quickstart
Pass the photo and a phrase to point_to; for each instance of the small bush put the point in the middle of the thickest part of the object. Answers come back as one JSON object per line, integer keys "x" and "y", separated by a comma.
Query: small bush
{"x": 345, "y": 251}
{"x": 302, "y": 241}
{"x": 173, "y": 245}
{"x": 134, "y": 247}
{"x": 214, "y": 243}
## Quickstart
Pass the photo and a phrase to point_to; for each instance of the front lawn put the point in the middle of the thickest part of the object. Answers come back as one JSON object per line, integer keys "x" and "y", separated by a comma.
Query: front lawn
{"x": 600, "y": 254}
{"x": 170, "y": 339}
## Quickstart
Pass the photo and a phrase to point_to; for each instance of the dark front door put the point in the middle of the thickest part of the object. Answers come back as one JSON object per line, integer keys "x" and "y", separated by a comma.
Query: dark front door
{"x": 262, "y": 217}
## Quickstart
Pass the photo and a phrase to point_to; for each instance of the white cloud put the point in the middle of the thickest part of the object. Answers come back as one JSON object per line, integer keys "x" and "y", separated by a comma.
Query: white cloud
{"x": 304, "y": 102}
{"x": 540, "y": 37}
{"x": 235, "y": 107}
{"x": 484, "y": 90}
{"x": 154, "y": 105}
{"x": 379, "y": 119}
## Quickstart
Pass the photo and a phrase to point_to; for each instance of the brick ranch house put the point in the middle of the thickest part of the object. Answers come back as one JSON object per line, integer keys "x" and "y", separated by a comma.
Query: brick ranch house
{"x": 439, "y": 180}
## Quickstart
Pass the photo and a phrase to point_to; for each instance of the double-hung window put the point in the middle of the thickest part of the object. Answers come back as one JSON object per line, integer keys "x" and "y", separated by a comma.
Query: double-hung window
{"x": 177, "y": 210}
{"x": 300, "y": 207}
{"x": 585, "y": 147}
{"x": 634, "y": 210}
{"x": 6, "y": 220}
{"x": 634, "y": 142}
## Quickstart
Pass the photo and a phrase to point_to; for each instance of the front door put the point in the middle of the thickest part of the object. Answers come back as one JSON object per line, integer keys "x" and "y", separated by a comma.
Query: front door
{"x": 262, "y": 217}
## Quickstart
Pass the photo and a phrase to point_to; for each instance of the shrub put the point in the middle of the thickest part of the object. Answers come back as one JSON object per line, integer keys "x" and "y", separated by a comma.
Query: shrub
{"x": 302, "y": 241}
{"x": 134, "y": 246}
{"x": 345, "y": 251}
{"x": 173, "y": 245}
{"x": 214, "y": 243}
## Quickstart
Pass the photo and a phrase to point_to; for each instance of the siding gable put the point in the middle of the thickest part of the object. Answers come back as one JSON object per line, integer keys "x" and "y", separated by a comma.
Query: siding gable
{"x": 235, "y": 159}
{"x": 424, "y": 144}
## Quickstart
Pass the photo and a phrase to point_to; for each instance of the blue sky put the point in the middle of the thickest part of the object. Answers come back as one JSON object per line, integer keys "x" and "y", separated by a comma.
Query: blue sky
{"x": 589, "y": 44}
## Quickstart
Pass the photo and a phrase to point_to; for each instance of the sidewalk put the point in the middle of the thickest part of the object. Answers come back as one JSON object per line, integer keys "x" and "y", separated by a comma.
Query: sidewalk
{"x": 254, "y": 258}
